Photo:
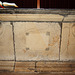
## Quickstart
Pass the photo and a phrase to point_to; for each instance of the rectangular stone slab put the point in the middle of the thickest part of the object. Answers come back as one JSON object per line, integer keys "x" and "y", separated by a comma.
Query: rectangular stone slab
{"x": 6, "y": 65}
{"x": 6, "y": 41}
{"x": 70, "y": 18}
{"x": 31, "y": 17}
{"x": 25, "y": 67}
{"x": 37, "y": 40}
{"x": 55, "y": 67}
{"x": 68, "y": 42}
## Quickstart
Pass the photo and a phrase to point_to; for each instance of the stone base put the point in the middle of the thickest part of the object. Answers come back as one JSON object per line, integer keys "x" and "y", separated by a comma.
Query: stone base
{"x": 34, "y": 40}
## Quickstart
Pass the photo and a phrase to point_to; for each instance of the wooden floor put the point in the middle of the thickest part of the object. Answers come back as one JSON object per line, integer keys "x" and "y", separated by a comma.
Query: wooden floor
{"x": 15, "y": 73}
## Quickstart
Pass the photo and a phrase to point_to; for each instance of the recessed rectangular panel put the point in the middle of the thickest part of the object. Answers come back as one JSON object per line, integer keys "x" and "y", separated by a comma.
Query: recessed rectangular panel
{"x": 37, "y": 40}
{"x": 68, "y": 42}
{"x": 6, "y": 41}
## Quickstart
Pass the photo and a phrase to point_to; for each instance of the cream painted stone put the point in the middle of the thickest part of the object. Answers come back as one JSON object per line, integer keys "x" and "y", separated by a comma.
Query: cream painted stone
{"x": 37, "y": 40}
{"x": 69, "y": 18}
{"x": 31, "y": 17}
{"x": 68, "y": 42}
{"x": 6, "y": 41}
{"x": 7, "y": 65}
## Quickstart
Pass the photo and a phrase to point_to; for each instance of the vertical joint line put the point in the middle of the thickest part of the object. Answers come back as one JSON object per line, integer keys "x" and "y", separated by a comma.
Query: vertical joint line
{"x": 13, "y": 44}
{"x": 61, "y": 36}
{"x": 0, "y": 22}
{"x": 60, "y": 40}
{"x": 35, "y": 66}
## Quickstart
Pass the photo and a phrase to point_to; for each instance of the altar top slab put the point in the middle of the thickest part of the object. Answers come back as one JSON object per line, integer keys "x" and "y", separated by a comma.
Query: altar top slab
{"x": 37, "y": 11}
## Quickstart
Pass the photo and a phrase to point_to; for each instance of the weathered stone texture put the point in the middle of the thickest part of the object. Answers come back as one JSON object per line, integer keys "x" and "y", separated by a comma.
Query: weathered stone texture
{"x": 37, "y": 40}
{"x": 31, "y": 17}
{"x": 6, "y": 65}
{"x": 55, "y": 66}
{"x": 70, "y": 18}
{"x": 68, "y": 42}
{"x": 33, "y": 42}
{"x": 6, "y": 41}
{"x": 25, "y": 67}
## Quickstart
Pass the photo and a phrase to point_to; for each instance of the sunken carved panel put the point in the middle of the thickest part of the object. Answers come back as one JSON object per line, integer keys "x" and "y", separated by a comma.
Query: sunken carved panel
{"x": 37, "y": 40}
{"x": 68, "y": 42}
{"x": 6, "y": 41}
